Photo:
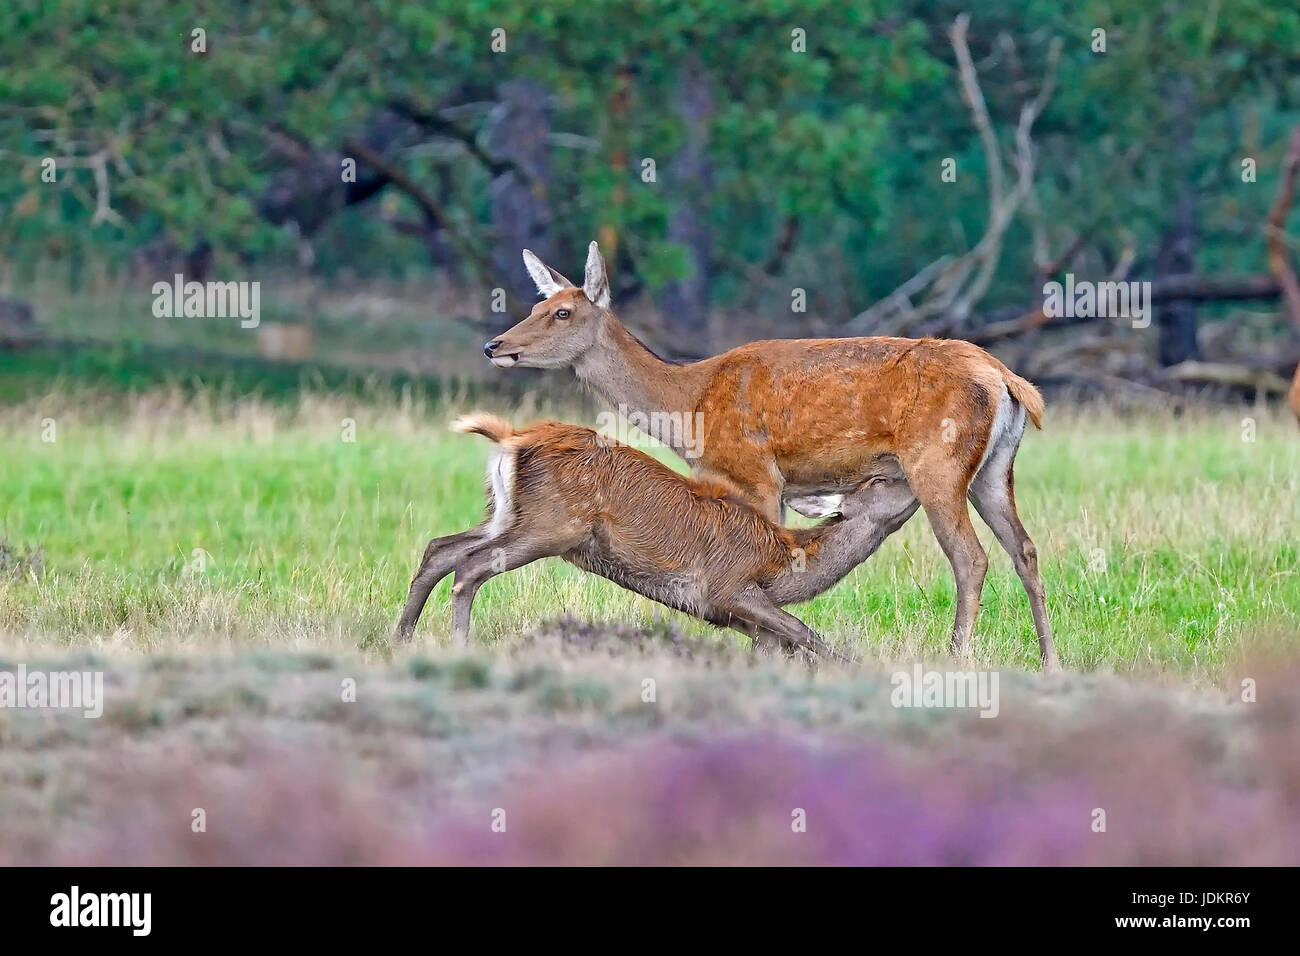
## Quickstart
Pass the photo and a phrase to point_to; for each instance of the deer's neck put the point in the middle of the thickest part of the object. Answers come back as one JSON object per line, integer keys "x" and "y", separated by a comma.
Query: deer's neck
{"x": 635, "y": 381}
{"x": 825, "y": 555}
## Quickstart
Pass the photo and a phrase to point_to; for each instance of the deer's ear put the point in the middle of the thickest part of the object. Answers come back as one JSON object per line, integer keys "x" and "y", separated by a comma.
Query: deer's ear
{"x": 547, "y": 279}
{"x": 595, "y": 284}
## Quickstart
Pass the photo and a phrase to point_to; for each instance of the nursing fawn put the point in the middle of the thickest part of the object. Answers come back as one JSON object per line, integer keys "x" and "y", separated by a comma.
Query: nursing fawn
{"x": 564, "y": 491}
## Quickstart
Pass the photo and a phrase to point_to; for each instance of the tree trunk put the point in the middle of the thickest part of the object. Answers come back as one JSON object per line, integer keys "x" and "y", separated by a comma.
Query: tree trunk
{"x": 1177, "y": 320}
{"x": 519, "y": 132}
{"x": 685, "y": 302}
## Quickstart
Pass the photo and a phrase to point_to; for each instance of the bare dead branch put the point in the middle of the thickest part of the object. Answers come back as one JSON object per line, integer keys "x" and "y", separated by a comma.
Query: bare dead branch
{"x": 97, "y": 163}
{"x": 439, "y": 125}
{"x": 899, "y": 300}
{"x": 990, "y": 246}
{"x": 1194, "y": 287}
{"x": 956, "y": 286}
{"x": 432, "y": 211}
{"x": 1214, "y": 288}
{"x": 1224, "y": 373}
{"x": 974, "y": 98}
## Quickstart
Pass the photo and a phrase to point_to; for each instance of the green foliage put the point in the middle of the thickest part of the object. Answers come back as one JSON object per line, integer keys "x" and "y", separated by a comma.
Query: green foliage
{"x": 845, "y": 138}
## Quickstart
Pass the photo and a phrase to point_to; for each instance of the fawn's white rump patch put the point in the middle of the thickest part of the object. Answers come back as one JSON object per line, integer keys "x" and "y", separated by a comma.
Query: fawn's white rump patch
{"x": 501, "y": 474}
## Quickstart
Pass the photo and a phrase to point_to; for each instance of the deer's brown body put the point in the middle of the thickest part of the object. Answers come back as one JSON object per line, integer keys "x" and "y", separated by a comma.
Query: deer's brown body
{"x": 793, "y": 417}
{"x": 561, "y": 490}
{"x": 789, "y": 418}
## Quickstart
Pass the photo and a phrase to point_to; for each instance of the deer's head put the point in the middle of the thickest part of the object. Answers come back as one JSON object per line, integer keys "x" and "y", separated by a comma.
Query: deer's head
{"x": 563, "y": 325}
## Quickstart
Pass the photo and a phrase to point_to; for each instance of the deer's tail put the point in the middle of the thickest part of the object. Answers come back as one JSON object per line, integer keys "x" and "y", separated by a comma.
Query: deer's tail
{"x": 490, "y": 426}
{"x": 1024, "y": 392}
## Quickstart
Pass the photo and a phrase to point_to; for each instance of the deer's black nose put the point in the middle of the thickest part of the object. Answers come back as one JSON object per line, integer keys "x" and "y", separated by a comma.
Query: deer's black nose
{"x": 491, "y": 347}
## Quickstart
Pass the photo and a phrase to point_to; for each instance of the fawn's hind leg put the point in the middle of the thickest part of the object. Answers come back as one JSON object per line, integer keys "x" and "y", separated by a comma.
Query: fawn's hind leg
{"x": 440, "y": 558}
{"x": 490, "y": 558}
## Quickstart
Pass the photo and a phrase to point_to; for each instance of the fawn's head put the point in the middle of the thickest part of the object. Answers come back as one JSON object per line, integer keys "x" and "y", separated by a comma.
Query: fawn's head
{"x": 880, "y": 498}
{"x": 561, "y": 327}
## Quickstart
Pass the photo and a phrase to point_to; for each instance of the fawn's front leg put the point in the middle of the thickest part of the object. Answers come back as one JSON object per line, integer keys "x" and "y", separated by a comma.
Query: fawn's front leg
{"x": 770, "y": 623}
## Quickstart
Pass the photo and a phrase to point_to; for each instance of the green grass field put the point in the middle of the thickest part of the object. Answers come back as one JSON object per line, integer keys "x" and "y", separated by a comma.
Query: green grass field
{"x": 1167, "y": 542}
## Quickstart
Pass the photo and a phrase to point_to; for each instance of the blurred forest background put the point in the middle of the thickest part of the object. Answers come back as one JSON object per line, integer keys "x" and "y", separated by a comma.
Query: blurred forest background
{"x": 736, "y": 161}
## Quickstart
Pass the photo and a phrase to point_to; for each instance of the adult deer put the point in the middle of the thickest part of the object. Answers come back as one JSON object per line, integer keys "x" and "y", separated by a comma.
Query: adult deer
{"x": 796, "y": 417}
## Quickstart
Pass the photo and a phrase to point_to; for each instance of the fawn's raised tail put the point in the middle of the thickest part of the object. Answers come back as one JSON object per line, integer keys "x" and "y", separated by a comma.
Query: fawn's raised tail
{"x": 486, "y": 424}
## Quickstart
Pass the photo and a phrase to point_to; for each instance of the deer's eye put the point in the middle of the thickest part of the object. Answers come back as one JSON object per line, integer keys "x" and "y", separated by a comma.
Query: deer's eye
{"x": 561, "y": 313}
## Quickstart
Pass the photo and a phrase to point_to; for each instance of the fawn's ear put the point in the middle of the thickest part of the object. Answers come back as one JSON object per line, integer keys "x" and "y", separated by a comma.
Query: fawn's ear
{"x": 595, "y": 284}
{"x": 547, "y": 279}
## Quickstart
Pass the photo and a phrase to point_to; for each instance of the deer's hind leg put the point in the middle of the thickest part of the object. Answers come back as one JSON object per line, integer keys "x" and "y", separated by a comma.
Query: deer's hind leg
{"x": 993, "y": 494}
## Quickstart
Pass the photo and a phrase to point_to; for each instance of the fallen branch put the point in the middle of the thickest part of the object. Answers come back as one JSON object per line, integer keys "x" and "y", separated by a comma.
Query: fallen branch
{"x": 1222, "y": 373}
{"x": 1010, "y": 328}
{"x": 1203, "y": 288}
{"x": 1195, "y": 287}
